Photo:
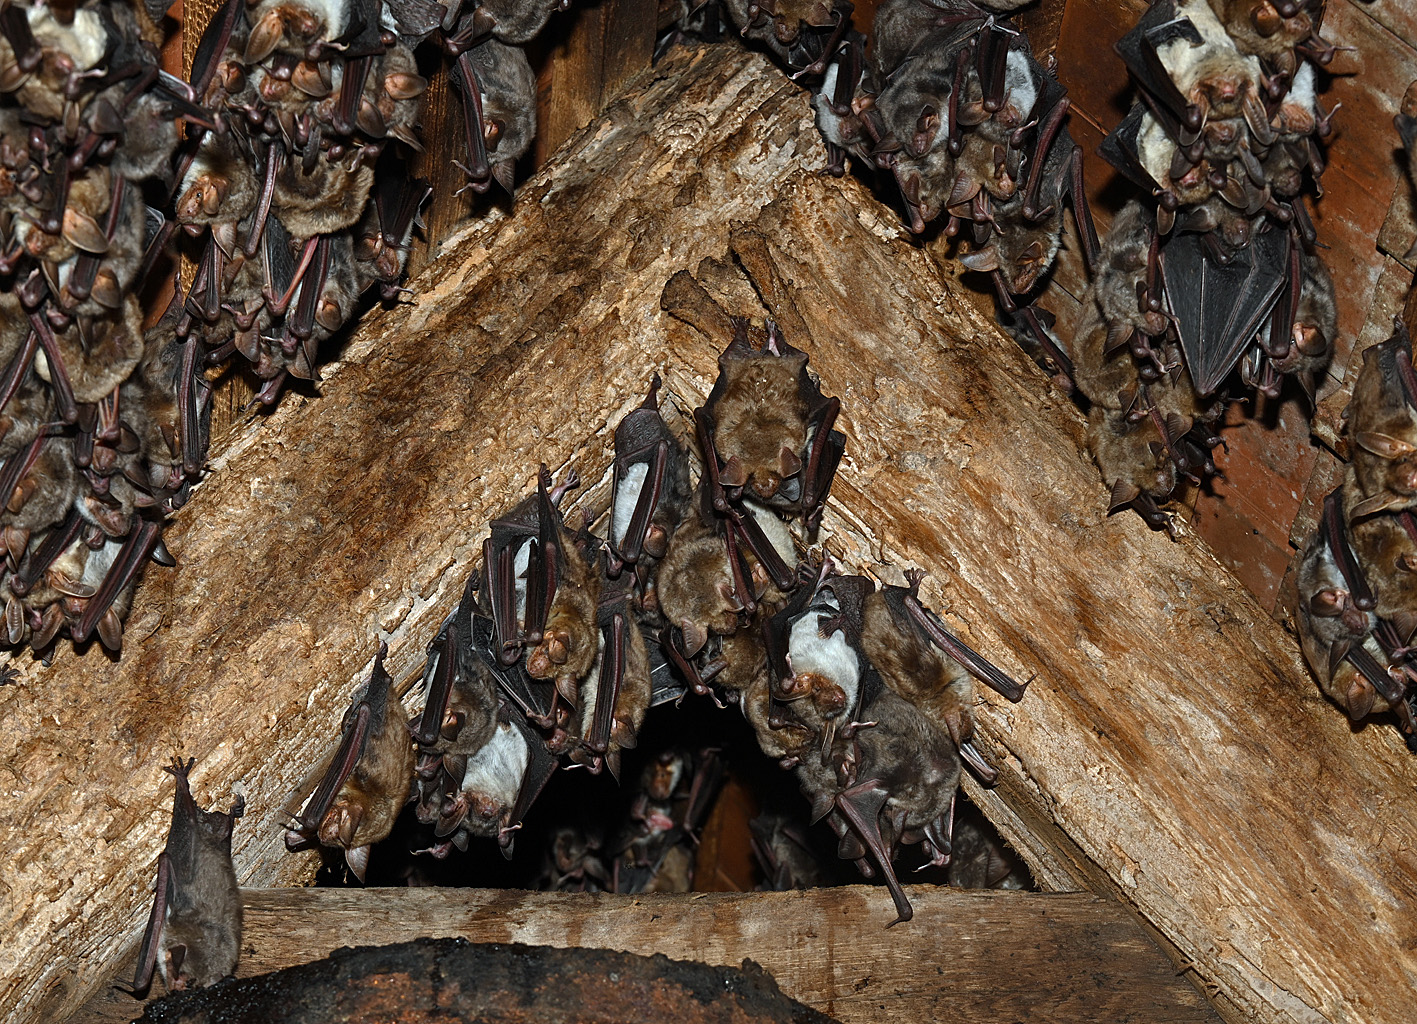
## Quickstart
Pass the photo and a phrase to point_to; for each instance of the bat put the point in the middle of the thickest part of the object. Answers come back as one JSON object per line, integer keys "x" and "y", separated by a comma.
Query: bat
{"x": 1332, "y": 625}
{"x": 839, "y": 102}
{"x": 803, "y": 34}
{"x": 676, "y": 791}
{"x": 367, "y": 782}
{"x": 650, "y": 490}
{"x": 907, "y": 776}
{"x": 573, "y": 863}
{"x": 978, "y": 857}
{"x": 193, "y": 935}
{"x": 460, "y": 691}
{"x": 500, "y": 782}
{"x": 698, "y": 588}
{"x": 383, "y": 235}
{"x": 785, "y": 854}
{"x": 768, "y": 427}
{"x": 818, "y": 669}
{"x": 613, "y": 699}
{"x": 518, "y": 588}
{"x": 498, "y": 92}
{"x": 570, "y": 639}
{"x": 1381, "y": 421}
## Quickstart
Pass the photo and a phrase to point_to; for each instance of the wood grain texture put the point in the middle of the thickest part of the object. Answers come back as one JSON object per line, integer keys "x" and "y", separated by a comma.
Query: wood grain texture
{"x": 591, "y": 51}
{"x": 1171, "y": 731}
{"x": 1046, "y": 958}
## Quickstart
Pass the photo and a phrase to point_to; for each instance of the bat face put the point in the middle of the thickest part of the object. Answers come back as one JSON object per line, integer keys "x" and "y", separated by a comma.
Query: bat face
{"x": 570, "y": 641}
{"x": 489, "y": 787}
{"x": 825, "y": 668}
{"x": 696, "y": 585}
{"x": 368, "y": 780}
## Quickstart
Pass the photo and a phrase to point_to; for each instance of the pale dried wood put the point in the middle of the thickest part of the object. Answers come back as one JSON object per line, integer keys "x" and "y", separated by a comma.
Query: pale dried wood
{"x": 1172, "y": 733}
{"x": 969, "y": 956}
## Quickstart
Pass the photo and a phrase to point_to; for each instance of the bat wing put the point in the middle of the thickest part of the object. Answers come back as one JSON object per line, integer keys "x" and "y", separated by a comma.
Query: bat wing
{"x": 745, "y": 522}
{"x": 397, "y": 201}
{"x": 1119, "y": 149}
{"x": 824, "y": 455}
{"x": 861, "y": 806}
{"x": 1138, "y": 50}
{"x": 215, "y": 39}
{"x": 438, "y": 675}
{"x": 531, "y": 696}
{"x": 541, "y": 765}
{"x": 1219, "y": 308}
{"x": 933, "y": 629}
{"x": 777, "y": 632}
{"x": 152, "y": 934}
{"x": 350, "y": 750}
{"x": 631, "y": 545}
{"x": 416, "y": 19}
{"x": 665, "y": 684}
{"x": 608, "y": 680}
{"x": 132, "y": 556}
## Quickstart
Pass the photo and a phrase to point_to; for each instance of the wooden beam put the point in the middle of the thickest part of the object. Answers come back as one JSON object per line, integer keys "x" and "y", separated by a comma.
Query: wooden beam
{"x": 969, "y": 956}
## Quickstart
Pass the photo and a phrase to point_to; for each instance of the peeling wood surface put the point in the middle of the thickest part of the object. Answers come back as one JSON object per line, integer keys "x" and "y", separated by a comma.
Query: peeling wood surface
{"x": 1171, "y": 732}
{"x": 970, "y": 956}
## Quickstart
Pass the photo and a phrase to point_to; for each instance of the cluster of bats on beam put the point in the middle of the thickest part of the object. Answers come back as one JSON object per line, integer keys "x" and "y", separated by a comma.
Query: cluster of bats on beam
{"x": 948, "y": 104}
{"x": 278, "y": 170}
{"x": 1357, "y": 584}
{"x": 1217, "y": 271}
{"x": 95, "y": 412}
{"x": 564, "y": 639}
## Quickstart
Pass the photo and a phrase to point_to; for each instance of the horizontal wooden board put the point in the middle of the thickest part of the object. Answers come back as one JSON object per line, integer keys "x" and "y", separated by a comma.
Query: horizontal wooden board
{"x": 968, "y": 956}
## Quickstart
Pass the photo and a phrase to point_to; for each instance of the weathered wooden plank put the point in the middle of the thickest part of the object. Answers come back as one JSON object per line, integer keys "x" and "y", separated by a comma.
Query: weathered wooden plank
{"x": 591, "y": 51}
{"x": 1055, "y": 958}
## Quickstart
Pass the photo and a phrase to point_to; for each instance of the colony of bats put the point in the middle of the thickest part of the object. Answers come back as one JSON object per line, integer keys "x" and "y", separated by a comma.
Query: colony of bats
{"x": 698, "y": 589}
{"x": 278, "y": 170}
{"x": 1357, "y": 584}
{"x": 1216, "y": 275}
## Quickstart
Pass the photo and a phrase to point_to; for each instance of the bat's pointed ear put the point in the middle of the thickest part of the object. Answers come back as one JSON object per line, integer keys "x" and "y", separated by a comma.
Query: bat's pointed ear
{"x": 1361, "y": 697}
{"x": 358, "y": 860}
{"x": 505, "y": 173}
{"x": 1384, "y": 446}
{"x": 1336, "y": 654}
{"x": 695, "y": 636}
{"x": 788, "y": 462}
{"x": 733, "y": 474}
{"x": 1123, "y": 494}
{"x": 984, "y": 260}
{"x": 1377, "y": 503}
